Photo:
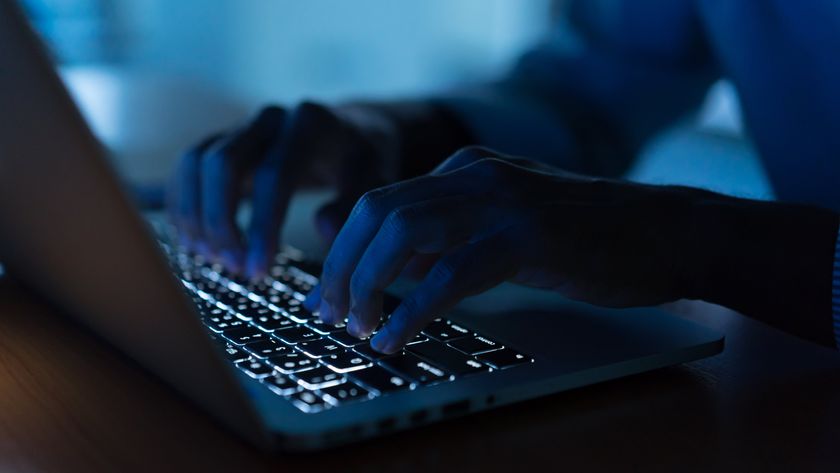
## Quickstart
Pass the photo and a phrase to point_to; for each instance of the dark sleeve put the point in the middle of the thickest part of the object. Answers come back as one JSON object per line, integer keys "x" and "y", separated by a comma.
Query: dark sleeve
{"x": 772, "y": 261}
{"x": 835, "y": 290}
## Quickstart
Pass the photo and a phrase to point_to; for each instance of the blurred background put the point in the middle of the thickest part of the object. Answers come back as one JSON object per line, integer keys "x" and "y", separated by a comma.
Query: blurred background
{"x": 154, "y": 76}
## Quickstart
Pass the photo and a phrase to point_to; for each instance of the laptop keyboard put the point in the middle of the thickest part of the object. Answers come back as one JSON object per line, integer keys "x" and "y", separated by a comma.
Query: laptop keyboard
{"x": 263, "y": 329}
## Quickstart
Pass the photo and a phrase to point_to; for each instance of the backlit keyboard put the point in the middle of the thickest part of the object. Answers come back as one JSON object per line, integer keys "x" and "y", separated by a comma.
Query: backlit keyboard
{"x": 264, "y": 329}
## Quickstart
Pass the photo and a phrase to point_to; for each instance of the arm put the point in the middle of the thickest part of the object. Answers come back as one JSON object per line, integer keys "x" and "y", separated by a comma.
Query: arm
{"x": 634, "y": 67}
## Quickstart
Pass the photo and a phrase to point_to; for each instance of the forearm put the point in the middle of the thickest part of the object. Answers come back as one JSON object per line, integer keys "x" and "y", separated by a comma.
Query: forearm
{"x": 770, "y": 261}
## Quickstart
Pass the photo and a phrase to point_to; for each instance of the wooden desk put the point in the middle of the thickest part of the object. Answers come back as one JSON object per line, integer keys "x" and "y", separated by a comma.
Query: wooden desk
{"x": 68, "y": 402}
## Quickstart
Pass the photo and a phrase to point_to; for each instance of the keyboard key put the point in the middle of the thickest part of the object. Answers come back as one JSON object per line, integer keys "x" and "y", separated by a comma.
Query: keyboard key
{"x": 266, "y": 348}
{"x": 415, "y": 368}
{"x": 227, "y": 297}
{"x": 299, "y": 313}
{"x": 443, "y": 331}
{"x": 346, "y": 339}
{"x": 277, "y": 297}
{"x": 504, "y": 358}
{"x": 325, "y": 329}
{"x": 206, "y": 286}
{"x": 417, "y": 339}
{"x": 256, "y": 289}
{"x": 255, "y": 368}
{"x": 296, "y": 335}
{"x": 220, "y": 320}
{"x": 247, "y": 309}
{"x": 273, "y": 321}
{"x": 447, "y": 358}
{"x": 345, "y": 392}
{"x": 281, "y": 384}
{"x": 367, "y": 351}
{"x": 321, "y": 347}
{"x": 214, "y": 312}
{"x": 234, "y": 353}
{"x": 475, "y": 345}
{"x": 346, "y": 361}
{"x": 381, "y": 380}
{"x": 292, "y": 362}
{"x": 318, "y": 378}
{"x": 308, "y": 402}
{"x": 247, "y": 334}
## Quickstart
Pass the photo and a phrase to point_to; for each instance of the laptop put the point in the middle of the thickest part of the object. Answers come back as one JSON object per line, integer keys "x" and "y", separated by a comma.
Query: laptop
{"x": 248, "y": 352}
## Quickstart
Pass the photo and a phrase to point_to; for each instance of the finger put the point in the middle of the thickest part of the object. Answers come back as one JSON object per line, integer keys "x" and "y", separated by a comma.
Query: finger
{"x": 185, "y": 193}
{"x": 428, "y": 227}
{"x": 276, "y": 178}
{"x": 470, "y": 270}
{"x": 331, "y": 216}
{"x": 223, "y": 168}
{"x": 361, "y": 226}
{"x": 464, "y": 157}
{"x": 419, "y": 265}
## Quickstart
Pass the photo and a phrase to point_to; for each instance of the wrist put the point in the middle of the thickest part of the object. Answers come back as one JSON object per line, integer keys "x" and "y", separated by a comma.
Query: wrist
{"x": 379, "y": 134}
{"x": 420, "y": 134}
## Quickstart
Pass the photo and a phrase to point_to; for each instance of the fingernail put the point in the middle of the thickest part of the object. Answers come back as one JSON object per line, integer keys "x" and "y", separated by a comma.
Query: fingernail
{"x": 353, "y": 327}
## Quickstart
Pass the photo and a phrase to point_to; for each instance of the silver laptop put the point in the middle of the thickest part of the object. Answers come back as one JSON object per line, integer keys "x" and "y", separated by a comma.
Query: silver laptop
{"x": 248, "y": 352}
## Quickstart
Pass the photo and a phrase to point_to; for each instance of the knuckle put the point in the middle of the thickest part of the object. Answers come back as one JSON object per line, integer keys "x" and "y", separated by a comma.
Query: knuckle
{"x": 371, "y": 203}
{"x": 310, "y": 113}
{"x": 474, "y": 153}
{"x": 270, "y": 111}
{"x": 492, "y": 169}
{"x": 399, "y": 221}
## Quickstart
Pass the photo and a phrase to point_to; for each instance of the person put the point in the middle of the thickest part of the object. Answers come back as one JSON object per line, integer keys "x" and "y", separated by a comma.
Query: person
{"x": 540, "y": 202}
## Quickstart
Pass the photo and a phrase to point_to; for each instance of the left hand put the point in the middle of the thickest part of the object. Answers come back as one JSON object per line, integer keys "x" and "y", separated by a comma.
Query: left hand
{"x": 492, "y": 219}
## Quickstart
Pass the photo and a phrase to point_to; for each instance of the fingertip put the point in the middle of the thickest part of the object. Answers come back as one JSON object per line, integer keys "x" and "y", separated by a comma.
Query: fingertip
{"x": 354, "y": 328}
{"x": 383, "y": 342}
{"x": 232, "y": 260}
{"x": 201, "y": 247}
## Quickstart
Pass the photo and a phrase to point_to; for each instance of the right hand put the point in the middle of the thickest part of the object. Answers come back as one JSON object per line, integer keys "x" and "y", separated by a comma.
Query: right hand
{"x": 268, "y": 158}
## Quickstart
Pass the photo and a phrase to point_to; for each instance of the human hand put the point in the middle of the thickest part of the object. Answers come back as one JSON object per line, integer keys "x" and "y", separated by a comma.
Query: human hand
{"x": 493, "y": 219}
{"x": 266, "y": 160}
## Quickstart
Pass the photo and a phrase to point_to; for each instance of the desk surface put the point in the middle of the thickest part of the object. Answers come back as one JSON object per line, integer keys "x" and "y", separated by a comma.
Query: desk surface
{"x": 68, "y": 402}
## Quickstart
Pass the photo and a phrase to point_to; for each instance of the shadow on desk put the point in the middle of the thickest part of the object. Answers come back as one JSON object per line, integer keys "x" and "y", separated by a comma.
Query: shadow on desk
{"x": 68, "y": 402}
